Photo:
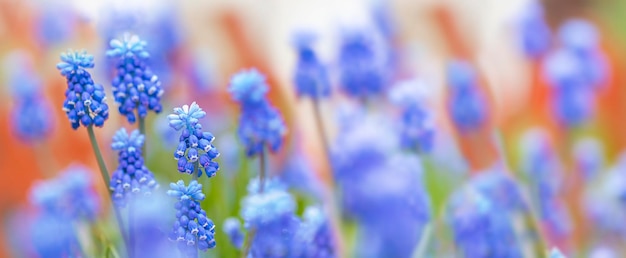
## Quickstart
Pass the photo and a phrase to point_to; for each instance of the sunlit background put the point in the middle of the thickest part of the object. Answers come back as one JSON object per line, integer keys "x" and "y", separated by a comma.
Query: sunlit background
{"x": 450, "y": 128}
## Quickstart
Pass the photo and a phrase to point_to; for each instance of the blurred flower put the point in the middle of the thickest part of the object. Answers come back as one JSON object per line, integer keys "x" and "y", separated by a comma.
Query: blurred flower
{"x": 195, "y": 152}
{"x": 132, "y": 177}
{"x": 30, "y": 115}
{"x": 604, "y": 201}
{"x": 232, "y": 228}
{"x": 535, "y": 36}
{"x": 480, "y": 229}
{"x": 192, "y": 230}
{"x": 503, "y": 189}
{"x": 51, "y": 29}
{"x": 417, "y": 125}
{"x": 544, "y": 173}
{"x": 316, "y": 235}
{"x": 466, "y": 104}
{"x": 135, "y": 86}
{"x": 85, "y": 101}
{"x": 260, "y": 124}
{"x": 151, "y": 216}
{"x": 310, "y": 78}
{"x": 271, "y": 214}
{"x": 53, "y": 236}
{"x": 588, "y": 157}
{"x": 359, "y": 66}
{"x": 556, "y": 253}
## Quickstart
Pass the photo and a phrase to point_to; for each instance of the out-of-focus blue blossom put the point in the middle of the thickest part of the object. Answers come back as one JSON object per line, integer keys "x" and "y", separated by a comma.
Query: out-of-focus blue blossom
{"x": 85, "y": 101}
{"x": 70, "y": 195}
{"x": 315, "y": 234}
{"x": 260, "y": 123}
{"x": 417, "y": 127}
{"x": 232, "y": 228}
{"x": 504, "y": 190}
{"x": 53, "y": 236}
{"x": 192, "y": 230}
{"x": 195, "y": 152}
{"x": 135, "y": 87}
{"x": 152, "y": 217}
{"x": 556, "y": 253}
{"x": 271, "y": 214}
{"x": 52, "y": 30}
{"x": 534, "y": 32}
{"x": 605, "y": 201}
{"x": 466, "y": 104}
{"x": 310, "y": 78}
{"x": 480, "y": 228}
{"x": 361, "y": 71}
{"x": 132, "y": 177}
{"x": 544, "y": 174}
{"x": 30, "y": 114}
{"x": 158, "y": 23}
{"x": 574, "y": 99}
{"x": 588, "y": 157}
{"x": 299, "y": 175}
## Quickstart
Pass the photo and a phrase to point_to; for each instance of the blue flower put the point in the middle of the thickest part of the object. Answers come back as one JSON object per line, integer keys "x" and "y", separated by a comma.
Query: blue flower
{"x": 53, "y": 236}
{"x": 248, "y": 87}
{"x": 260, "y": 124}
{"x": 360, "y": 69}
{"x": 315, "y": 234}
{"x": 271, "y": 214}
{"x": 132, "y": 177}
{"x": 135, "y": 87}
{"x": 192, "y": 230}
{"x": 30, "y": 115}
{"x": 589, "y": 157}
{"x": 195, "y": 152}
{"x": 85, "y": 101}
{"x": 311, "y": 77}
{"x": 466, "y": 104}
{"x": 232, "y": 228}
{"x": 417, "y": 128}
{"x": 534, "y": 32}
{"x": 480, "y": 229}
{"x": 69, "y": 196}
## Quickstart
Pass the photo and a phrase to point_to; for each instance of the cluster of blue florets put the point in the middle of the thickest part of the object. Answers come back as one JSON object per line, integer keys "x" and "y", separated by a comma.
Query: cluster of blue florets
{"x": 360, "y": 67}
{"x": 135, "y": 87}
{"x": 260, "y": 125}
{"x": 30, "y": 115}
{"x": 131, "y": 176}
{"x": 195, "y": 152}
{"x": 417, "y": 128}
{"x": 85, "y": 100}
{"x": 311, "y": 77}
{"x": 192, "y": 230}
{"x": 467, "y": 105}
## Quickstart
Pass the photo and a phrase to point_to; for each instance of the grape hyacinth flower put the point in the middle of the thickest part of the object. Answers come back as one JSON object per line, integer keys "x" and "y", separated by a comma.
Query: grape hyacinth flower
{"x": 232, "y": 228}
{"x": 271, "y": 214}
{"x": 417, "y": 128}
{"x": 85, "y": 100}
{"x": 132, "y": 177}
{"x": 260, "y": 124}
{"x": 195, "y": 152}
{"x": 30, "y": 117}
{"x": 315, "y": 234}
{"x": 534, "y": 33}
{"x": 192, "y": 230}
{"x": 480, "y": 229}
{"x": 135, "y": 86}
{"x": 466, "y": 104}
{"x": 311, "y": 77}
{"x": 588, "y": 154}
{"x": 360, "y": 68}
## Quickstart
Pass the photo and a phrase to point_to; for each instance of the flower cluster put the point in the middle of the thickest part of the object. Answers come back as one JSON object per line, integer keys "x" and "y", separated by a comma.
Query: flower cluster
{"x": 30, "y": 117}
{"x": 417, "y": 128}
{"x": 84, "y": 100}
{"x": 131, "y": 176}
{"x": 192, "y": 230}
{"x": 535, "y": 36}
{"x": 480, "y": 228}
{"x": 576, "y": 71}
{"x": 310, "y": 78}
{"x": 360, "y": 68}
{"x": 62, "y": 201}
{"x": 466, "y": 103}
{"x": 195, "y": 152}
{"x": 260, "y": 124}
{"x": 135, "y": 87}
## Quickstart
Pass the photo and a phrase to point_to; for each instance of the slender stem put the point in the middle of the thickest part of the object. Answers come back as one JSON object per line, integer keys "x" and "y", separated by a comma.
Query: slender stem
{"x": 106, "y": 178}
{"x": 420, "y": 252}
{"x": 247, "y": 245}
{"x": 333, "y": 208}
{"x": 142, "y": 131}
{"x": 77, "y": 245}
{"x": 262, "y": 174}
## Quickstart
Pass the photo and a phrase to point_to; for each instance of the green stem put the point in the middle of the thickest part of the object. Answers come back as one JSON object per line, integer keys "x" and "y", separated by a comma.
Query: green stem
{"x": 248, "y": 243}
{"x": 106, "y": 178}
{"x": 142, "y": 131}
